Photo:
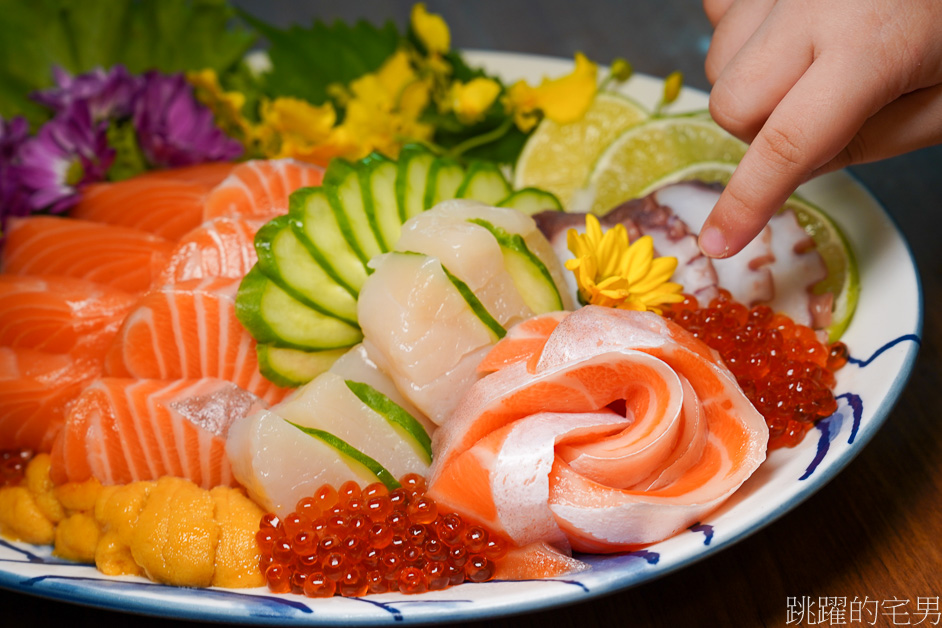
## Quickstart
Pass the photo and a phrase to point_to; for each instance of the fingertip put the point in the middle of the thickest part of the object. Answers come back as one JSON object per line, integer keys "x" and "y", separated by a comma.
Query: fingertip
{"x": 713, "y": 243}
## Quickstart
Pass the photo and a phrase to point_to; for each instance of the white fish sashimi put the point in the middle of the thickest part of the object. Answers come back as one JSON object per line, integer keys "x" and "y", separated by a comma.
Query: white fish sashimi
{"x": 279, "y": 463}
{"x": 421, "y": 331}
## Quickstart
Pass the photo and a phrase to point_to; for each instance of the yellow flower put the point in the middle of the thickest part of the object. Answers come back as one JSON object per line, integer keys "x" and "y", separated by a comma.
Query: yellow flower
{"x": 672, "y": 85}
{"x": 470, "y": 101}
{"x": 226, "y": 106}
{"x": 291, "y": 127}
{"x": 613, "y": 273}
{"x": 431, "y": 30}
{"x": 564, "y": 99}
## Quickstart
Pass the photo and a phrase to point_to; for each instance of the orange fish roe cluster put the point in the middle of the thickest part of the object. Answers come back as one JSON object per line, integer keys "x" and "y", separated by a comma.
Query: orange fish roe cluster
{"x": 350, "y": 541}
{"x": 784, "y": 369}
{"x": 13, "y": 465}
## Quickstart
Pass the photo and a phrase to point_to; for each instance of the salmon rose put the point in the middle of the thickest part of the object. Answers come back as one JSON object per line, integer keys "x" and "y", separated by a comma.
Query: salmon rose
{"x": 601, "y": 431}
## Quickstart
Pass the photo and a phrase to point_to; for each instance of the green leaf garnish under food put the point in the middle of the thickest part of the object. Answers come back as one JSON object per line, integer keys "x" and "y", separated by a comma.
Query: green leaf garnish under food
{"x": 166, "y": 35}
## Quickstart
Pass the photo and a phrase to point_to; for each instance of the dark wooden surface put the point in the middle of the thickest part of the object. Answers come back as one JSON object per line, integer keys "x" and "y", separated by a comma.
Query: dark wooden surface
{"x": 876, "y": 529}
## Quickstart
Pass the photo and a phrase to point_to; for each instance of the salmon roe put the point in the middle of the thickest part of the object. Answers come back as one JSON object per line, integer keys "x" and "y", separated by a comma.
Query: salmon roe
{"x": 13, "y": 465}
{"x": 352, "y": 542}
{"x": 783, "y": 367}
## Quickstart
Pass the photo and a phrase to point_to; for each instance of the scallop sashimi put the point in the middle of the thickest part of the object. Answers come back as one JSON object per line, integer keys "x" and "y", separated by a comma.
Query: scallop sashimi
{"x": 623, "y": 431}
{"x": 121, "y": 257}
{"x": 165, "y": 203}
{"x": 36, "y": 390}
{"x": 60, "y": 314}
{"x": 349, "y": 423}
{"x": 125, "y": 430}
{"x": 260, "y": 188}
{"x": 189, "y": 330}
{"x": 462, "y": 273}
{"x": 222, "y": 247}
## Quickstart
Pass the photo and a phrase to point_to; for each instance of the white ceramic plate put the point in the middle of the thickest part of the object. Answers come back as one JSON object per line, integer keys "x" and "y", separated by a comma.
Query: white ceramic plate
{"x": 883, "y": 340}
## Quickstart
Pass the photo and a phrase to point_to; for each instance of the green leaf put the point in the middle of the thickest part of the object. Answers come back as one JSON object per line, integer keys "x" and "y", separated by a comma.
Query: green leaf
{"x": 306, "y": 60}
{"x": 80, "y": 35}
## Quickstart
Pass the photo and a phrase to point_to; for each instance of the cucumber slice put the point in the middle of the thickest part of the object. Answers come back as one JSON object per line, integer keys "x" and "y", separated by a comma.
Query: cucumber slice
{"x": 291, "y": 368}
{"x": 342, "y": 185}
{"x": 476, "y": 306}
{"x": 444, "y": 178}
{"x": 349, "y": 451}
{"x": 529, "y": 273}
{"x": 415, "y": 162}
{"x": 285, "y": 260}
{"x": 273, "y": 316}
{"x": 378, "y": 184}
{"x": 395, "y": 415}
{"x": 484, "y": 182}
{"x": 532, "y": 201}
{"x": 316, "y": 226}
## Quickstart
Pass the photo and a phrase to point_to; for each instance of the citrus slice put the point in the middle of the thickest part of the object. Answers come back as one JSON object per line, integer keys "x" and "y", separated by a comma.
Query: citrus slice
{"x": 558, "y": 157}
{"x": 706, "y": 171}
{"x": 649, "y": 151}
{"x": 843, "y": 278}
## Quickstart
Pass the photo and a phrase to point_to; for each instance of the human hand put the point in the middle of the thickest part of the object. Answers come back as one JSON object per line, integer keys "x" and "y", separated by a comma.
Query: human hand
{"x": 816, "y": 86}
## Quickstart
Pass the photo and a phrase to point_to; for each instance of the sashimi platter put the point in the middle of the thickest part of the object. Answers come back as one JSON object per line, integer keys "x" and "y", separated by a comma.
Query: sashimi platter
{"x": 425, "y": 336}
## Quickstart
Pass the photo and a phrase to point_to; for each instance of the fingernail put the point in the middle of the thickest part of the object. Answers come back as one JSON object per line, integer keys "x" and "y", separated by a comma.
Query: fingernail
{"x": 713, "y": 242}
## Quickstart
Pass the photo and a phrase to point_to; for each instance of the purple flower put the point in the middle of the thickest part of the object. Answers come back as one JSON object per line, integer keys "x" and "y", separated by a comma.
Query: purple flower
{"x": 14, "y": 197}
{"x": 69, "y": 151}
{"x": 108, "y": 94}
{"x": 174, "y": 129}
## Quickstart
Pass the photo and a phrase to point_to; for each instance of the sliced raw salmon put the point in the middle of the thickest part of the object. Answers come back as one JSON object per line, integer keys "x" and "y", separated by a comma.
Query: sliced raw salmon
{"x": 121, "y": 257}
{"x": 168, "y": 208}
{"x": 209, "y": 174}
{"x": 187, "y": 331}
{"x": 222, "y": 247}
{"x": 260, "y": 188}
{"x": 60, "y": 314}
{"x": 125, "y": 430}
{"x": 625, "y": 430}
{"x": 36, "y": 390}
{"x": 522, "y": 342}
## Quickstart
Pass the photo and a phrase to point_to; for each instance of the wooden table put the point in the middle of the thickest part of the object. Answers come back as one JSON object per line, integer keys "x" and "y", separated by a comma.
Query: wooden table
{"x": 875, "y": 530}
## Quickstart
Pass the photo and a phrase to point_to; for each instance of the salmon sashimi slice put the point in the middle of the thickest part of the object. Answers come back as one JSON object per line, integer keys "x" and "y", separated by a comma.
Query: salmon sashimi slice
{"x": 168, "y": 208}
{"x": 260, "y": 188}
{"x": 625, "y": 430}
{"x": 121, "y": 257}
{"x": 222, "y": 247}
{"x": 209, "y": 174}
{"x": 61, "y": 314}
{"x": 188, "y": 331}
{"x": 522, "y": 342}
{"x": 36, "y": 390}
{"x": 125, "y": 430}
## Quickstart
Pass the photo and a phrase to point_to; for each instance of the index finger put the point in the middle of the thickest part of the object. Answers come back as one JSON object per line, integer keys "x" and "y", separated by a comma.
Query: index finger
{"x": 814, "y": 121}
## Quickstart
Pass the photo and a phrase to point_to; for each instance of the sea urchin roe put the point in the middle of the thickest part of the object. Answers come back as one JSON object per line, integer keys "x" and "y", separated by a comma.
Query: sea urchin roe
{"x": 374, "y": 541}
{"x": 783, "y": 368}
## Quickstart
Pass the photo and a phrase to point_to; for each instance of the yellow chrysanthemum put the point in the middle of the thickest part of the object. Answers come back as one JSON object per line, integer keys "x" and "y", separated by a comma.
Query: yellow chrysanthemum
{"x": 613, "y": 273}
{"x": 226, "y": 106}
{"x": 471, "y": 100}
{"x": 564, "y": 99}
{"x": 431, "y": 30}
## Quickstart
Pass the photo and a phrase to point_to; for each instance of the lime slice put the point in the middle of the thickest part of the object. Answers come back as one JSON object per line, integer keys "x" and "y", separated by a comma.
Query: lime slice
{"x": 843, "y": 278}
{"x": 706, "y": 171}
{"x": 558, "y": 157}
{"x": 650, "y": 151}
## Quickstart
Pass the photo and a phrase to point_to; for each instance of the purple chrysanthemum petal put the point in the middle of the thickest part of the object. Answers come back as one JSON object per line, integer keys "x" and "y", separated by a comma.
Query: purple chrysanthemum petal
{"x": 108, "y": 94}
{"x": 14, "y": 196}
{"x": 69, "y": 151}
{"x": 174, "y": 129}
